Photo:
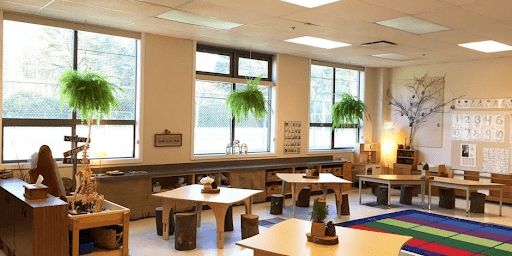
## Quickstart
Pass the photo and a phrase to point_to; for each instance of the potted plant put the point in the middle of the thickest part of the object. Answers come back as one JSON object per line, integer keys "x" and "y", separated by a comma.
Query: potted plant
{"x": 247, "y": 101}
{"x": 318, "y": 215}
{"x": 91, "y": 95}
{"x": 348, "y": 112}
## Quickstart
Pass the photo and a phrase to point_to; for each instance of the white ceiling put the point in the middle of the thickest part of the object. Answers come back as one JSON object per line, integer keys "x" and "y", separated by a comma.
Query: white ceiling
{"x": 268, "y": 22}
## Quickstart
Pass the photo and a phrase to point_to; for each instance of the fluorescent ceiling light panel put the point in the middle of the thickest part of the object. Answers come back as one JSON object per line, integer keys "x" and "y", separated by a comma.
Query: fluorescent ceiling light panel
{"x": 412, "y": 25}
{"x": 317, "y": 42}
{"x": 192, "y": 19}
{"x": 310, "y": 3}
{"x": 393, "y": 56}
{"x": 487, "y": 46}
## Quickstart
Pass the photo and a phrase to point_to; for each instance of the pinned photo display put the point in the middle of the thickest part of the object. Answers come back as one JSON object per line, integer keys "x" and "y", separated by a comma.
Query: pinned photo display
{"x": 468, "y": 155}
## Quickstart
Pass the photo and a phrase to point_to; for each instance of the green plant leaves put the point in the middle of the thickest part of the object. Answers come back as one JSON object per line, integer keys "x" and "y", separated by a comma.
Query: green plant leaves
{"x": 247, "y": 101}
{"x": 88, "y": 93}
{"x": 348, "y": 112}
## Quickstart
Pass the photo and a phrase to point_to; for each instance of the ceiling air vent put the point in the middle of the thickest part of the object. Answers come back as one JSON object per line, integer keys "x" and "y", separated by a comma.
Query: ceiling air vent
{"x": 378, "y": 44}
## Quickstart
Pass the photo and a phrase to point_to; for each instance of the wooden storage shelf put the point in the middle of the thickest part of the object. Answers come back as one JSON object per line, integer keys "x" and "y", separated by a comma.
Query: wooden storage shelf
{"x": 407, "y": 157}
{"x": 113, "y": 215}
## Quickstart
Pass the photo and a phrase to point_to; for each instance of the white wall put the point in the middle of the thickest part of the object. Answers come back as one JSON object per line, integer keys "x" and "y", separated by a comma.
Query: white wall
{"x": 474, "y": 79}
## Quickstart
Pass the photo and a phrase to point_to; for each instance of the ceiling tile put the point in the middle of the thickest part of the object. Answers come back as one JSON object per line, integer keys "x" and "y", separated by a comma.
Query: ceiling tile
{"x": 495, "y": 9}
{"x": 273, "y": 8}
{"x": 165, "y": 3}
{"x": 453, "y": 17}
{"x": 355, "y": 9}
{"x": 459, "y": 2}
{"x": 211, "y": 10}
{"x": 409, "y": 6}
{"x": 126, "y": 6}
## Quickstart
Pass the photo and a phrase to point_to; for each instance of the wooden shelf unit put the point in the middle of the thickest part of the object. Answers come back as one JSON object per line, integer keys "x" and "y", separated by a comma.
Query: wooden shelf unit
{"x": 407, "y": 157}
{"x": 138, "y": 195}
{"x": 507, "y": 191}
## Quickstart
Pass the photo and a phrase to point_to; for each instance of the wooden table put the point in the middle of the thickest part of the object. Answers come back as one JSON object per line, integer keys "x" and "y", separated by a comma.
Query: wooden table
{"x": 289, "y": 238}
{"x": 327, "y": 180}
{"x": 392, "y": 180}
{"x": 219, "y": 203}
{"x": 468, "y": 185}
{"x": 113, "y": 215}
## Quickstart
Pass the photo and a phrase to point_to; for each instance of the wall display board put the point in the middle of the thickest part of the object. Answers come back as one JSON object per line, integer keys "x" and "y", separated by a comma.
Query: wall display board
{"x": 481, "y": 135}
{"x": 292, "y": 137}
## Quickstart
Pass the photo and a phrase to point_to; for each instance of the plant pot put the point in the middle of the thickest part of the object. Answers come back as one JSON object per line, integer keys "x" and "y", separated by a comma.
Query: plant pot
{"x": 317, "y": 229}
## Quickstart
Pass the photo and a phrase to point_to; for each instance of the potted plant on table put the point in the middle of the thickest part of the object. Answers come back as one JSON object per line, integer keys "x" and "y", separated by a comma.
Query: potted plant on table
{"x": 348, "y": 112}
{"x": 91, "y": 95}
{"x": 318, "y": 216}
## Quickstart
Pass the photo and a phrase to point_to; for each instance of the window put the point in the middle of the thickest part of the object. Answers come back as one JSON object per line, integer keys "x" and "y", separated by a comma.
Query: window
{"x": 221, "y": 71}
{"x": 34, "y": 57}
{"x": 327, "y": 85}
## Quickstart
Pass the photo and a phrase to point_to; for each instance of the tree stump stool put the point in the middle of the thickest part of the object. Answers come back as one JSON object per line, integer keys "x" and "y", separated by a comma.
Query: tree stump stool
{"x": 345, "y": 206}
{"x": 228, "y": 219}
{"x": 303, "y": 198}
{"x": 249, "y": 225}
{"x": 406, "y": 194}
{"x": 382, "y": 195}
{"x": 276, "y": 204}
{"x": 477, "y": 202}
{"x": 447, "y": 198}
{"x": 158, "y": 221}
{"x": 185, "y": 237}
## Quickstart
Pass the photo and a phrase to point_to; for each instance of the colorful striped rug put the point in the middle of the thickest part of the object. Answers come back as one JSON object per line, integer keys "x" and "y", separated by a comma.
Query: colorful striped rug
{"x": 438, "y": 235}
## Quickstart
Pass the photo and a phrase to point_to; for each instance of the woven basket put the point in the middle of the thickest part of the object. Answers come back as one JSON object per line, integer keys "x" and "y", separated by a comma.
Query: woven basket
{"x": 108, "y": 237}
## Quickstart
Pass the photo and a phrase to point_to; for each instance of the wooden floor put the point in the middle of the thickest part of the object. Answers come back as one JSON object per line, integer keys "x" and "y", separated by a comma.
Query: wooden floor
{"x": 144, "y": 240}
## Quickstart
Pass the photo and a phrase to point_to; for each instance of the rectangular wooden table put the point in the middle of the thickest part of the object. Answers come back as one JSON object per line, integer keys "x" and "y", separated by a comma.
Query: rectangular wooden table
{"x": 392, "y": 180}
{"x": 218, "y": 202}
{"x": 327, "y": 180}
{"x": 289, "y": 238}
{"x": 468, "y": 185}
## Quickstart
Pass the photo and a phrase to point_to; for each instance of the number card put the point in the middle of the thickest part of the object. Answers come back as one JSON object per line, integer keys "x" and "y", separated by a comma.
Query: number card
{"x": 486, "y": 127}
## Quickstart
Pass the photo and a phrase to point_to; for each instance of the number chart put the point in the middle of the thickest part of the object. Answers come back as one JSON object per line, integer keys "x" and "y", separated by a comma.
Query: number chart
{"x": 481, "y": 140}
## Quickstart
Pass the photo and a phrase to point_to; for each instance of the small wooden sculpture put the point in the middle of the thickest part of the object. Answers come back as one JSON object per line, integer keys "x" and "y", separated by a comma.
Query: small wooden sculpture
{"x": 86, "y": 198}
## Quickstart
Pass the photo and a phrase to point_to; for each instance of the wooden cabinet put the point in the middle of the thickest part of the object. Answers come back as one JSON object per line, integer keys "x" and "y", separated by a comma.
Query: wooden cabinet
{"x": 407, "y": 157}
{"x": 133, "y": 194}
{"x": 506, "y": 179}
{"x": 32, "y": 227}
{"x": 250, "y": 180}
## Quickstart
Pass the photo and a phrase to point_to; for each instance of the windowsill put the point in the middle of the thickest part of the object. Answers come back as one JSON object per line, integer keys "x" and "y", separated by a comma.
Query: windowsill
{"x": 233, "y": 157}
{"x": 94, "y": 163}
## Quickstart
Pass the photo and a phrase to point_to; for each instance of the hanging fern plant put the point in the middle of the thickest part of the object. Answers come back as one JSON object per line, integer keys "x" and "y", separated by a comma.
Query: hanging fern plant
{"x": 247, "y": 101}
{"x": 348, "y": 112}
{"x": 88, "y": 93}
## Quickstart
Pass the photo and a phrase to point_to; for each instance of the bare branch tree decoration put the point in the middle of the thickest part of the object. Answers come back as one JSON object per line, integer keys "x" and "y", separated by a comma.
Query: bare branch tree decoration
{"x": 424, "y": 98}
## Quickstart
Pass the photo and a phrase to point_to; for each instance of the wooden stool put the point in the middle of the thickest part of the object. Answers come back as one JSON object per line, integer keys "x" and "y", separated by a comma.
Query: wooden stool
{"x": 249, "y": 225}
{"x": 382, "y": 195}
{"x": 447, "y": 198}
{"x": 477, "y": 202}
{"x": 406, "y": 194}
{"x": 228, "y": 219}
{"x": 158, "y": 221}
{"x": 345, "y": 206}
{"x": 185, "y": 238}
{"x": 303, "y": 198}
{"x": 374, "y": 186}
{"x": 276, "y": 204}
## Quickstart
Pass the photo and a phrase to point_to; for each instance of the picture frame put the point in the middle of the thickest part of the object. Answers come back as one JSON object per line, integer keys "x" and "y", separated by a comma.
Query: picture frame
{"x": 168, "y": 140}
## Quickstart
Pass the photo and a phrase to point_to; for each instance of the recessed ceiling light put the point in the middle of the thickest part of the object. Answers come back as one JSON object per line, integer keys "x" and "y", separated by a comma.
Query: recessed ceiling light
{"x": 412, "y": 25}
{"x": 192, "y": 19}
{"x": 310, "y": 3}
{"x": 317, "y": 42}
{"x": 393, "y": 56}
{"x": 487, "y": 46}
